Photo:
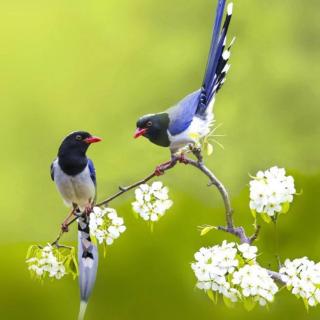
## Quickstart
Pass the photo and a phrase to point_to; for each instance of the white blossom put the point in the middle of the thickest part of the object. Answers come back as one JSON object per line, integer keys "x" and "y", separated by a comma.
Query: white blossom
{"x": 254, "y": 281}
{"x": 231, "y": 270}
{"x": 302, "y": 277}
{"x": 47, "y": 263}
{"x": 248, "y": 252}
{"x": 212, "y": 267}
{"x": 105, "y": 225}
{"x": 270, "y": 191}
{"x": 152, "y": 202}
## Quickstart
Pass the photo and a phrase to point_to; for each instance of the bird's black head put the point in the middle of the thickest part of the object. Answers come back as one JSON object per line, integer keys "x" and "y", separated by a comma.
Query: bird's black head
{"x": 77, "y": 143}
{"x": 155, "y": 128}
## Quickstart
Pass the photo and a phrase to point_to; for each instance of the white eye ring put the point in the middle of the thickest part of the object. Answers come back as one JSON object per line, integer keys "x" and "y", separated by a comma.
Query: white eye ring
{"x": 149, "y": 123}
{"x": 78, "y": 137}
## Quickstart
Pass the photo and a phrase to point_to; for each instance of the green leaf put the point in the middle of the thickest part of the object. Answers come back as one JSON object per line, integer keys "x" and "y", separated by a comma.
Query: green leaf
{"x": 241, "y": 260}
{"x": 94, "y": 240}
{"x": 205, "y": 230}
{"x": 266, "y": 218}
{"x": 135, "y": 214}
{"x": 249, "y": 304}
{"x": 306, "y": 304}
{"x": 209, "y": 149}
{"x": 211, "y": 296}
{"x": 254, "y": 213}
{"x": 32, "y": 251}
{"x": 228, "y": 302}
{"x": 104, "y": 249}
{"x": 285, "y": 207}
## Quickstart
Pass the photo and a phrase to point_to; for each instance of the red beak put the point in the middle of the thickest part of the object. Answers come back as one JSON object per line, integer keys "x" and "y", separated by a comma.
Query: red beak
{"x": 140, "y": 132}
{"x": 92, "y": 140}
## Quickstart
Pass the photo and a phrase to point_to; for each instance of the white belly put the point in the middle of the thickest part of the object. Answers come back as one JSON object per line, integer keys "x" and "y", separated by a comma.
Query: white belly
{"x": 78, "y": 189}
{"x": 198, "y": 129}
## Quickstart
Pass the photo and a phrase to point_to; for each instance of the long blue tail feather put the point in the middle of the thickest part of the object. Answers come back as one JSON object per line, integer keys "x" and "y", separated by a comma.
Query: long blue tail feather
{"x": 214, "y": 41}
{"x": 88, "y": 263}
{"x": 217, "y": 60}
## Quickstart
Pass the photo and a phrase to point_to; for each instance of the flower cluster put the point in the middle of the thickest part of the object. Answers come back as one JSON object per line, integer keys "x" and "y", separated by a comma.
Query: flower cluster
{"x": 105, "y": 225}
{"x": 255, "y": 282}
{"x": 231, "y": 270}
{"x": 302, "y": 277}
{"x": 152, "y": 202}
{"x": 271, "y": 192}
{"x": 46, "y": 262}
{"x": 213, "y": 266}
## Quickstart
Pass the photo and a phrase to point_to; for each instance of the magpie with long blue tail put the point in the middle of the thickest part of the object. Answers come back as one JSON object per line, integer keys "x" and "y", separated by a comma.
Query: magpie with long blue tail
{"x": 190, "y": 120}
{"x": 75, "y": 177}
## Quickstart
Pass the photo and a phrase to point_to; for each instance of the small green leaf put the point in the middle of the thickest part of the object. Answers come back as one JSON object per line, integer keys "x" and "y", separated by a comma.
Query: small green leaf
{"x": 209, "y": 149}
{"x": 104, "y": 249}
{"x": 306, "y": 304}
{"x": 211, "y": 296}
{"x": 285, "y": 207}
{"x": 228, "y": 302}
{"x": 205, "y": 230}
{"x": 94, "y": 240}
{"x": 249, "y": 304}
{"x": 241, "y": 260}
{"x": 31, "y": 251}
{"x": 266, "y": 218}
{"x": 135, "y": 214}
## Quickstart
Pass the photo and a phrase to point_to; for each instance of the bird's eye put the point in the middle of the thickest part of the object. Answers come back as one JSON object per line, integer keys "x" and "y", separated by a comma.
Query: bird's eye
{"x": 78, "y": 137}
{"x": 149, "y": 123}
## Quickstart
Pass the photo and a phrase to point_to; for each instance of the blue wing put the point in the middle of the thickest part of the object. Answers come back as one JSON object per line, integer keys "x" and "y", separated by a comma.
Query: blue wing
{"x": 215, "y": 71}
{"x": 182, "y": 114}
{"x": 92, "y": 172}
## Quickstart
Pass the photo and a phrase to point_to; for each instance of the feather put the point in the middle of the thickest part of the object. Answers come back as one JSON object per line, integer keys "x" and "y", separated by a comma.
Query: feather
{"x": 182, "y": 114}
{"x": 217, "y": 59}
{"x": 92, "y": 171}
{"x": 88, "y": 263}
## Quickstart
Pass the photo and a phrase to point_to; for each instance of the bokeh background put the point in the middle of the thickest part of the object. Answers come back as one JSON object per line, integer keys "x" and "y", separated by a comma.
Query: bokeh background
{"x": 97, "y": 65}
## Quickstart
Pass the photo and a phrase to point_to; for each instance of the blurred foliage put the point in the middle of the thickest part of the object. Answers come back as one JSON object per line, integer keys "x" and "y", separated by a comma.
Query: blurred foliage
{"x": 97, "y": 65}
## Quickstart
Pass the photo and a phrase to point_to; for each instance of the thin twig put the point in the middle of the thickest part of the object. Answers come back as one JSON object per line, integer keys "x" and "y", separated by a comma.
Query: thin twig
{"x": 126, "y": 189}
{"x": 239, "y": 232}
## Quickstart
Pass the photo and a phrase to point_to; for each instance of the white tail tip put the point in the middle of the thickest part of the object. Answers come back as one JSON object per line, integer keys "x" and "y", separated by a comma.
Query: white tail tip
{"x": 82, "y": 311}
{"x": 229, "y": 9}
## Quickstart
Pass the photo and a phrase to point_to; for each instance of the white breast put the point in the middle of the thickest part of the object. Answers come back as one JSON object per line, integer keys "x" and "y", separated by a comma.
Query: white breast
{"x": 78, "y": 189}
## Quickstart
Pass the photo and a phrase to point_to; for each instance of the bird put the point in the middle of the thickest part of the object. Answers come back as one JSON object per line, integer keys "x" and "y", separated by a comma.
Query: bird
{"x": 190, "y": 120}
{"x": 75, "y": 177}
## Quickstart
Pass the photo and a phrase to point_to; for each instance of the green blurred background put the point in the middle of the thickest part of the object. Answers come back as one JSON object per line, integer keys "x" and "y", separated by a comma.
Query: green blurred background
{"x": 97, "y": 65}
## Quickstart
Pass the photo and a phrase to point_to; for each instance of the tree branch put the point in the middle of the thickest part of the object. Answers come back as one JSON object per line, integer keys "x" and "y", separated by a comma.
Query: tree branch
{"x": 239, "y": 232}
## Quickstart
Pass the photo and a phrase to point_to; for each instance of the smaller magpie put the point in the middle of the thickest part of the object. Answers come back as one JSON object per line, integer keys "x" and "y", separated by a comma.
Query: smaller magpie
{"x": 75, "y": 178}
{"x": 190, "y": 120}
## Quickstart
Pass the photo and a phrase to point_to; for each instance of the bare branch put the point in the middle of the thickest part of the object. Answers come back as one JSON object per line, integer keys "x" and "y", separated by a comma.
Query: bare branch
{"x": 239, "y": 232}
{"x": 123, "y": 190}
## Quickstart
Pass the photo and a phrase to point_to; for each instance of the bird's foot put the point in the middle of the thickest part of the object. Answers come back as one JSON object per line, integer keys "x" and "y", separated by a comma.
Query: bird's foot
{"x": 160, "y": 169}
{"x": 182, "y": 159}
{"x": 64, "y": 226}
{"x": 88, "y": 209}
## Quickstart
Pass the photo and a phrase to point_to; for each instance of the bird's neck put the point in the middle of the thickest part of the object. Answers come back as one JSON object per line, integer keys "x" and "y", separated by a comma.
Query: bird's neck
{"x": 72, "y": 163}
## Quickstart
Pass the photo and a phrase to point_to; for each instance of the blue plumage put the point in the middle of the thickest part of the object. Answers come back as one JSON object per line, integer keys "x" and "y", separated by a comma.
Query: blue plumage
{"x": 215, "y": 55}
{"x": 197, "y": 102}
{"x": 92, "y": 171}
{"x": 75, "y": 177}
{"x": 182, "y": 115}
{"x": 190, "y": 120}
